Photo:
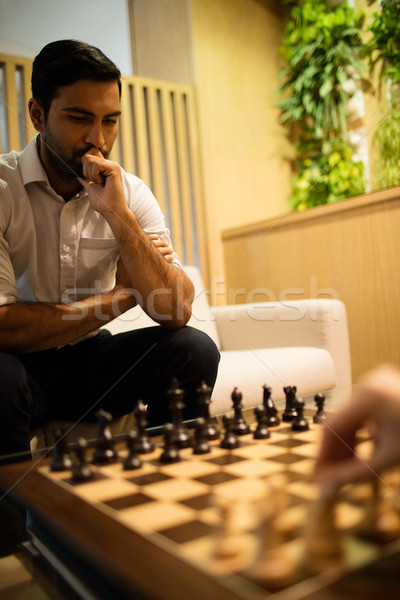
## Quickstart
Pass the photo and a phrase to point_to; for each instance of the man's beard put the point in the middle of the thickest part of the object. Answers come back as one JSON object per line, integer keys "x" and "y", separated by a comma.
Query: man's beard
{"x": 66, "y": 167}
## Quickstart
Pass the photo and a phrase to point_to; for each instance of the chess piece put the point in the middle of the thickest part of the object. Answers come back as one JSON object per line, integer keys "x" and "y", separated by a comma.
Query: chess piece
{"x": 170, "y": 454}
{"x": 229, "y": 543}
{"x": 323, "y": 540}
{"x": 104, "y": 448}
{"x": 204, "y": 392}
{"x": 300, "y": 423}
{"x": 81, "y": 470}
{"x": 132, "y": 461}
{"x": 240, "y": 427}
{"x": 261, "y": 432}
{"x": 201, "y": 445}
{"x": 271, "y": 411}
{"x": 176, "y": 406}
{"x": 289, "y": 414}
{"x": 273, "y": 567}
{"x": 320, "y": 416}
{"x": 144, "y": 444}
{"x": 61, "y": 460}
{"x": 230, "y": 440}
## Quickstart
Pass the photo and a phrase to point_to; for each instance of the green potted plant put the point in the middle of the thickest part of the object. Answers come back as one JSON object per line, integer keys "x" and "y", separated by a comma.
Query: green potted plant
{"x": 383, "y": 53}
{"x": 383, "y": 47}
{"x": 387, "y": 140}
{"x": 321, "y": 47}
{"x": 326, "y": 176}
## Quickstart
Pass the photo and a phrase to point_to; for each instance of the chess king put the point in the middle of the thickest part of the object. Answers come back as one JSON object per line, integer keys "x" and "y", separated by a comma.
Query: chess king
{"x": 82, "y": 240}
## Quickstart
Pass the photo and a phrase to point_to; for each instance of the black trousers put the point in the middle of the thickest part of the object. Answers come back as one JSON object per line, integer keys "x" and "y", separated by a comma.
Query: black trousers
{"x": 110, "y": 372}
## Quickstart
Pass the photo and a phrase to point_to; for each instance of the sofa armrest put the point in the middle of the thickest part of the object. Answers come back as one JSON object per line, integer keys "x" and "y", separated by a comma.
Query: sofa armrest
{"x": 321, "y": 323}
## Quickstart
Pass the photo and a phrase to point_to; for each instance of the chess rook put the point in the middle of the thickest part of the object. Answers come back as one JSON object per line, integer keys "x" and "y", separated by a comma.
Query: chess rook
{"x": 289, "y": 413}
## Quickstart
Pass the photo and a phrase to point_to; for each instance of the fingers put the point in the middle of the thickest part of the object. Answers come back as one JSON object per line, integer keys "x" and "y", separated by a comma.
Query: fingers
{"x": 376, "y": 407}
{"x": 166, "y": 250}
{"x": 93, "y": 166}
{"x": 340, "y": 432}
{"x": 359, "y": 468}
{"x": 352, "y": 470}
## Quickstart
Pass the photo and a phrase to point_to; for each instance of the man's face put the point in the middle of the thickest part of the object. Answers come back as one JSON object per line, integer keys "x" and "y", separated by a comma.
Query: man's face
{"x": 83, "y": 116}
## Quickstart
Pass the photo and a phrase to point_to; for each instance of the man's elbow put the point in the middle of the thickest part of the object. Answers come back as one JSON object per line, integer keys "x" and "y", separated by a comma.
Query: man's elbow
{"x": 179, "y": 318}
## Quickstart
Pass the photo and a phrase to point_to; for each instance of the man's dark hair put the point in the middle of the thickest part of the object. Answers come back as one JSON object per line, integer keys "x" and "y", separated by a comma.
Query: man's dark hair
{"x": 64, "y": 62}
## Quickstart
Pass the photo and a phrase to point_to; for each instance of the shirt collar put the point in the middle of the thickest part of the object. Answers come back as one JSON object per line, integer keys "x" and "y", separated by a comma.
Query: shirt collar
{"x": 31, "y": 168}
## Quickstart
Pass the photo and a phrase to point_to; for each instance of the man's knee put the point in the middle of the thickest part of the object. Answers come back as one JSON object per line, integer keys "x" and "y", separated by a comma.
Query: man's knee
{"x": 199, "y": 350}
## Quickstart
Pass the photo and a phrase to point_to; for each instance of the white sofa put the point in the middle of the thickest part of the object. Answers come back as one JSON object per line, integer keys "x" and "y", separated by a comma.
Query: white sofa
{"x": 300, "y": 342}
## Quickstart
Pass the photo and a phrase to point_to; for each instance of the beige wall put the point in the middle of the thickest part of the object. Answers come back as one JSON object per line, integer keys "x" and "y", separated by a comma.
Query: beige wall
{"x": 161, "y": 39}
{"x": 236, "y": 61}
{"x": 233, "y": 60}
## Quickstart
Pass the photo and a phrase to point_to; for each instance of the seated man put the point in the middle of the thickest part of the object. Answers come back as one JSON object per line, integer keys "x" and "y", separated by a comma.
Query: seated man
{"x": 82, "y": 241}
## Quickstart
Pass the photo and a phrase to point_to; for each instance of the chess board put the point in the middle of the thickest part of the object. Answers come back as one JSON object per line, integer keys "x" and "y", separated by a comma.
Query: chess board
{"x": 197, "y": 527}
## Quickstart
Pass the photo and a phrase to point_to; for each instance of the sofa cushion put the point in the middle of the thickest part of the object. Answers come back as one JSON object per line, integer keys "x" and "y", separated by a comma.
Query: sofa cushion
{"x": 310, "y": 369}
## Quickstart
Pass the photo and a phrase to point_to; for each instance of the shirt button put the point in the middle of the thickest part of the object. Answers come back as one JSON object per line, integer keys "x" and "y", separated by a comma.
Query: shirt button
{"x": 66, "y": 248}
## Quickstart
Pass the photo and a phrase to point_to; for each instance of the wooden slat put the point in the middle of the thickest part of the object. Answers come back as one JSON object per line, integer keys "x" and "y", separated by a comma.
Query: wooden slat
{"x": 181, "y": 133}
{"x": 198, "y": 198}
{"x": 27, "y": 68}
{"x": 126, "y": 129}
{"x": 12, "y": 106}
{"x": 141, "y": 131}
{"x": 156, "y": 146}
{"x": 172, "y": 168}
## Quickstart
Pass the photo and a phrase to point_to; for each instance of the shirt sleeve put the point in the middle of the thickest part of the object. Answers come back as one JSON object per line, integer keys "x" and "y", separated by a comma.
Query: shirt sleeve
{"x": 147, "y": 211}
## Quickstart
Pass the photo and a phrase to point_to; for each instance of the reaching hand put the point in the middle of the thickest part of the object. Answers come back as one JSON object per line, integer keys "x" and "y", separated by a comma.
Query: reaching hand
{"x": 376, "y": 404}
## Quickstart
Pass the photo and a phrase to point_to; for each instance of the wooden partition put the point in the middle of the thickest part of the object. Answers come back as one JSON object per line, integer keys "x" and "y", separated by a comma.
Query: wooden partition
{"x": 158, "y": 141}
{"x": 349, "y": 250}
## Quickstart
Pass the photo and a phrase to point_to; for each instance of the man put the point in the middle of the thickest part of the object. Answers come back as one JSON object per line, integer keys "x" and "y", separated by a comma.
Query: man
{"x": 82, "y": 241}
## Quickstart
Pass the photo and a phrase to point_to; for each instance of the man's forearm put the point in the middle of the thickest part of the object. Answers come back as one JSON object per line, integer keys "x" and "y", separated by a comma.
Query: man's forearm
{"x": 31, "y": 327}
{"x": 163, "y": 290}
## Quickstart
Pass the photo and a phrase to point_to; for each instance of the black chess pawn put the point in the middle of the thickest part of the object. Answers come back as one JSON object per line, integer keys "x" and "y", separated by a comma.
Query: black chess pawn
{"x": 144, "y": 444}
{"x": 132, "y": 461}
{"x": 289, "y": 414}
{"x": 61, "y": 460}
{"x": 201, "y": 445}
{"x": 300, "y": 423}
{"x": 170, "y": 454}
{"x": 240, "y": 427}
{"x": 104, "y": 447}
{"x": 271, "y": 411}
{"x": 320, "y": 416}
{"x": 176, "y": 394}
{"x": 230, "y": 440}
{"x": 261, "y": 432}
{"x": 204, "y": 401}
{"x": 81, "y": 470}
